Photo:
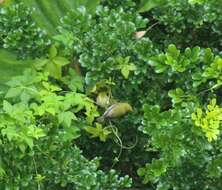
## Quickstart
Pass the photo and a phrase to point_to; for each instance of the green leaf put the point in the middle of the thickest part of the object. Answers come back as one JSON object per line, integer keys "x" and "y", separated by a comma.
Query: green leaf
{"x": 2, "y": 172}
{"x": 52, "y": 51}
{"x": 37, "y": 133}
{"x": 66, "y": 118}
{"x": 91, "y": 110}
{"x": 54, "y": 66}
{"x": 73, "y": 81}
{"x": 146, "y": 5}
{"x": 208, "y": 55}
{"x": 125, "y": 70}
{"x": 173, "y": 51}
{"x": 60, "y": 61}
{"x": 7, "y": 107}
{"x": 54, "y": 70}
{"x": 90, "y": 5}
{"x": 141, "y": 171}
{"x": 195, "y": 53}
{"x": 196, "y": 1}
{"x": 69, "y": 134}
{"x": 13, "y": 92}
{"x": 29, "y": 141}
{"x": 66, "y": 38}
{"x": 176, "y": 95}
{"x": 10, "y": 132}
{"x": 98, "y": 131}
{"x": 39, "y": 64}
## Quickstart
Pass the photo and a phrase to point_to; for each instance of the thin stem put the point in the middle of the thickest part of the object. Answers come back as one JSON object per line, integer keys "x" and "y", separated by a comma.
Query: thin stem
{"x": 39, "y": 186}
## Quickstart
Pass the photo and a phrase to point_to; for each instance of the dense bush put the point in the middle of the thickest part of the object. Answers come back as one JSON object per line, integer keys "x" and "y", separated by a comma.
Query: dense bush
{"x": 38, "y": 127}
{"x": 188, "y": 24}
{"x": 170, "y": 75}
{"x": 20, "y": 33}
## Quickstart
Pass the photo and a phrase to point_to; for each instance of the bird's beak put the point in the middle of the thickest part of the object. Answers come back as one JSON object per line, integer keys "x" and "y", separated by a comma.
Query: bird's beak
{"x": 131, "y": 109}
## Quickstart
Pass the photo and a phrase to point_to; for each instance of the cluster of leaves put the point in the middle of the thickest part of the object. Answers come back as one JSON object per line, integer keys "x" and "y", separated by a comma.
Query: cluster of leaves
{"x": 192, "y": 80}
{"x": 209, "y": 121}
{"x": 38, "y": 125}
{"x": 20, "y": 33}
{"x": 113, "y": 53}
{"x": 183, "y": 151}
{"x": 43, "y": 113}
{"x": 187, "y": 23}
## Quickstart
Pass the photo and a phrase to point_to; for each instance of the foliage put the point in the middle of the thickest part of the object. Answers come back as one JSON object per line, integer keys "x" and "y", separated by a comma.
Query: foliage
{"x": 175, "y": 126}
{"x": 19, "y": 33}
{"x": 187, "y": 23}
{"x": 38, "y": 119}
{"x": 209, "y": 121}
{"x": 48, "y": 13}
{"x": 98, "y": 131}
{"x": 171, "y": 84}
{"x": 147, "y": 5}
{"x": 90, "y": 58}
{"x": 116, "y": 57}
{"x": 10, "y": 66}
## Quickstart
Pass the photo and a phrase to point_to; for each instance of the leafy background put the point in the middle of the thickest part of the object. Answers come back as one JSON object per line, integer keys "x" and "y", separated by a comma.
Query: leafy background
{"x": 73, "y": 51}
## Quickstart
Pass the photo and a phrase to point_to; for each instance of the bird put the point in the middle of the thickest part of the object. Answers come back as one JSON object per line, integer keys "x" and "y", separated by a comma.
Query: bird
{"x": 115, "y": 110}
{"x": 103, "y": 99}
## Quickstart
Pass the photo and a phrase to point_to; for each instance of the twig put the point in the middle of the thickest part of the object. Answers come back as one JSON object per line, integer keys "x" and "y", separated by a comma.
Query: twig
{"x": 39, "y": 186}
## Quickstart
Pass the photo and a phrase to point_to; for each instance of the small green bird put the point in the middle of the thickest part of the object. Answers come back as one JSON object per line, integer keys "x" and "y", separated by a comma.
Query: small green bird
{"x": 115, "y": 110}
{"x": 103, "y": 100}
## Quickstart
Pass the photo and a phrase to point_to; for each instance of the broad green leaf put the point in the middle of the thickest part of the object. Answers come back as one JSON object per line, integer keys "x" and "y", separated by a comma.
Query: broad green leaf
{"x": 195, "y": 53}
{"x": 69, "y": 134}
{"x": 208, "y": 55}
{"x": 66, "y": 118}
{"x": 146, "y": 5}
{"x": 13, "y": 92}
{"x": 73, "y": 81}
{"x": 90, "y": 4}
{"x": 48, "y": 13}
{"x": 176, "y": 95}
{"x": 54, "y": 70}
{"x": 10, "y": 132}
{"x": 53, "y": 66}
{"x": 52, "y": 52}
{"x": 10, "y": 66}
{"x": 60, "y": 61}
{"x": 7, "y": 107}
{"x": 29, "y": 141}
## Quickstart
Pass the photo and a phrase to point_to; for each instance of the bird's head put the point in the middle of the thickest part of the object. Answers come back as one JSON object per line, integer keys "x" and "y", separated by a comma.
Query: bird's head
{"x": 128, "y": 107}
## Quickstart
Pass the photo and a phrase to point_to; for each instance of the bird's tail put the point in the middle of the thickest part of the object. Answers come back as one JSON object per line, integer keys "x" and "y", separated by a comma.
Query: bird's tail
{"x": 100, "y": 119}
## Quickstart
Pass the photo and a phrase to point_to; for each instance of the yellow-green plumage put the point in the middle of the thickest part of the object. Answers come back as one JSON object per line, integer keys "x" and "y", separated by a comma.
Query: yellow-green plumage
{"x": 103, "y": 100}
{"x": 116, "y": 110}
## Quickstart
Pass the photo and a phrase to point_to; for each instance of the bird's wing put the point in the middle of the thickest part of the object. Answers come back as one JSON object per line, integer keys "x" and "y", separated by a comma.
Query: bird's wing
{"x": 108, "y": 111}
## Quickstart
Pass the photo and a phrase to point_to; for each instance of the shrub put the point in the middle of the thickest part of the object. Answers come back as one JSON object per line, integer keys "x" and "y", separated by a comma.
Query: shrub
{"x": 39, "y": 125}
{"x": 20, "y": 33}
{"x": 170, "y": 75}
